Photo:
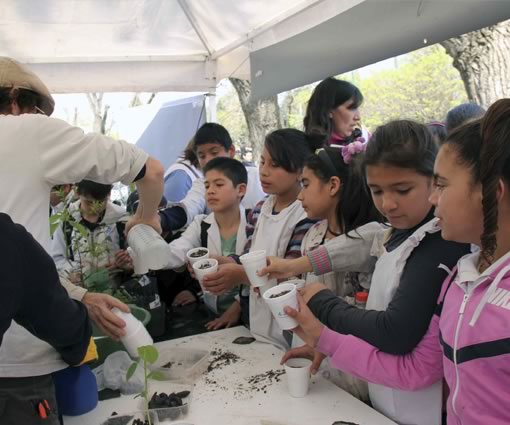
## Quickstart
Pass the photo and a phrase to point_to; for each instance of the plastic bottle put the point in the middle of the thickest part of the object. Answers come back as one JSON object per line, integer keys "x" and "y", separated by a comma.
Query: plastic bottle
{"x": 136, "y": 334}
{"x": 147, "y": 248}
{"x": 360, "y": 299}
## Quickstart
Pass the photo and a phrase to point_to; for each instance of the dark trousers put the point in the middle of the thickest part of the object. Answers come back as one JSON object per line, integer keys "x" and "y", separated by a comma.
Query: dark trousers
{"x": 19, "y": 399}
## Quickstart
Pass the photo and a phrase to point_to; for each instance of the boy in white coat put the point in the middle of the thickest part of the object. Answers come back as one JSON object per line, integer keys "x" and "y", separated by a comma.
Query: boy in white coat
{"x": 225, "y": 182}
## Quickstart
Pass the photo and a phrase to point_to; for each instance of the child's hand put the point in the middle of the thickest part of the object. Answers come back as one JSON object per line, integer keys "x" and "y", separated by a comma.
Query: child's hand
{"x": 309, "y": 329}
{"x": 123, "y": 260}
{"x": 227, "y": 277}
{"x": 226, "y": 320}
{"x": 279, "y": 268}
{"x": 305, "y": 352}
{"x": 310, "y": 290}
{"x": 184, "y": 298}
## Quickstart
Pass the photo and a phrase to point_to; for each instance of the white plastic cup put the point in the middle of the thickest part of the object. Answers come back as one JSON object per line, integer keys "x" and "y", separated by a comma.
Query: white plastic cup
{"x": 253, "y": 262}
{"x": 300, "y": 283}
{"x": 298, "y": 376}
{"x": 193, "y": 260}
{"x": 201, "y": 273}
{"x": 277, "y": 304}
{"x": 136, "y": 334}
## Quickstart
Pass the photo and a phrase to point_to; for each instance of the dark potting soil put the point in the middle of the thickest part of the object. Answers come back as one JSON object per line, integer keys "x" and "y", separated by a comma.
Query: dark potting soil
{"x": 199, "y": 253}
{"x": 279, "y": 294}
{"x": 261, "y": 381}
{"x": 205, "y": 266}
{"x": 221, "y": 359}
{"x": 167, "y": 365}
{"x": 243, "y": 340}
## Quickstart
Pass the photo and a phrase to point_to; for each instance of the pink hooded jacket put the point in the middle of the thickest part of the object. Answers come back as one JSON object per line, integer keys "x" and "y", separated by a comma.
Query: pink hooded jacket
{"x": 468, "y": 342}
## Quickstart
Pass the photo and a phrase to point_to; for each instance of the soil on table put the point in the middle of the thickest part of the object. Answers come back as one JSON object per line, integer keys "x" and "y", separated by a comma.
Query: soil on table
{"x": 280, "y": 294}
{"x": 221, "y": 358}
{"x": 167, "y": 365}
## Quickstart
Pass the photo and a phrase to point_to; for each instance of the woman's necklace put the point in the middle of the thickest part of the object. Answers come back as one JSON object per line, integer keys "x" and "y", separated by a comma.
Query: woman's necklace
{"x": 333, "y": 233}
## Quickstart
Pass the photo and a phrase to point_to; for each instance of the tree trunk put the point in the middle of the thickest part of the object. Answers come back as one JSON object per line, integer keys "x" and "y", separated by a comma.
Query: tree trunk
{"x": 261, "y": 117}
{"x": 100, "y": 113}
{"x": 483, "y": 60}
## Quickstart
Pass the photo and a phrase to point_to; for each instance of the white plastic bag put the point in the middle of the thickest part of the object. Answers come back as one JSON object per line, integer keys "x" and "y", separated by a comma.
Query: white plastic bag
{"x": 115, "y": 369}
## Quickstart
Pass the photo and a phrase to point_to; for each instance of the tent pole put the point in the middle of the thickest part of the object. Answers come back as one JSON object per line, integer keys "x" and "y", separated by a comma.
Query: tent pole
{"x": 211, "y": 105}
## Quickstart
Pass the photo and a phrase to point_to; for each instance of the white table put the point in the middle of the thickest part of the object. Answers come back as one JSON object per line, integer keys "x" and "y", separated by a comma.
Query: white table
{"x": 226, "y": 404}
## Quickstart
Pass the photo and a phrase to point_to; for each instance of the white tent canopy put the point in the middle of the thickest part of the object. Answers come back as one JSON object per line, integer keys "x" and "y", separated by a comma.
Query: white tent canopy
{"x": 190, "y": 45}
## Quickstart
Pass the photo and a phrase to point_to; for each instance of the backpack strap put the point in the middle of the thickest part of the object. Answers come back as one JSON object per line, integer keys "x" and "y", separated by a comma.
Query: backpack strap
{"x": 204, "y": 227}
{"x": 121, "y": 227}
{"x": 68, "y": 235}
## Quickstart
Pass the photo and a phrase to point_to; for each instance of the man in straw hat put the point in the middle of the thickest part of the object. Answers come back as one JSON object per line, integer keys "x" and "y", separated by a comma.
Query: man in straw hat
{"x": 38, "y": 153}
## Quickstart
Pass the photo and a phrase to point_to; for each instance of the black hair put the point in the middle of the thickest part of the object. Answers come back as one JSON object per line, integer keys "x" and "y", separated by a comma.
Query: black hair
{"x": 26, "y": 99}
{"x": 438, "y": 130}
{"x": 328, "y": 95}
{"x": 134, "y": 199}
{"x": 402, "y": 144}
{"x": 482, "y": 145}
{"x": 234, "y": 170}
{"x": 289, "y": 148}
{"x": 212, "y": 132}
{"x": 355, "y": 206}
{"x": 462, "y": 114}
{"x": 95, "y": 190}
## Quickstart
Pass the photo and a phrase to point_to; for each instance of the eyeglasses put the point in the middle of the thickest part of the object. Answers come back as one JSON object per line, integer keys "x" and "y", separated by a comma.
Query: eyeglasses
{"x": 39, "y": 110}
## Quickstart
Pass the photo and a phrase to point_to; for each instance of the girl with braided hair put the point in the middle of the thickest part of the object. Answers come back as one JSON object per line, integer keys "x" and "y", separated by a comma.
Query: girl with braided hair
{"x": 468, "y": 340}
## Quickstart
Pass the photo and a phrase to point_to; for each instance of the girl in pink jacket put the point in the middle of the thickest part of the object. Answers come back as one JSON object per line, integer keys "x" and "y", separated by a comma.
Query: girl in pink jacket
{"x": 468, "y": 341}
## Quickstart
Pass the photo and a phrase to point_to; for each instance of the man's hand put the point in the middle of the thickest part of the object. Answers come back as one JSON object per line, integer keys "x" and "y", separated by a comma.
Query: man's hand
{"x": 154, "y": 221}
{"x": 227, "y": 277}
{"x": 226, "y": 320}
{"x": 184, "y": 298}
{"x": 305, "y": 352}
{"x": 309, "y": 329}
{"x": 310, "y": 290}
{"x": 99, "y": 307}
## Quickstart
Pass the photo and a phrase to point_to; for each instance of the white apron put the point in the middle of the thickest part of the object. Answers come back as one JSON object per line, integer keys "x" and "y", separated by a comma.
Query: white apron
{"x": 422, "y": 407}
{"x": 272, "y": 233}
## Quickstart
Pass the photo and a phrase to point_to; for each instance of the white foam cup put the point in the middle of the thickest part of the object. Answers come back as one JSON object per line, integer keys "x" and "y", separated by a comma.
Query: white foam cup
{"x": 200, "y": 273}
{"x": 300, "y": 283}
{"x": 298, "y": 376}
{"x": 277, "y": 304}
{"x": 253, "y": 262}
{"x": 193, "y": 260}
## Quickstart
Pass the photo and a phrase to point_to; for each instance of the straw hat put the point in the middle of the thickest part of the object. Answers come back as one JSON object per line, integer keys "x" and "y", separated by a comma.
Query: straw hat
{"x": 15, "y": 75}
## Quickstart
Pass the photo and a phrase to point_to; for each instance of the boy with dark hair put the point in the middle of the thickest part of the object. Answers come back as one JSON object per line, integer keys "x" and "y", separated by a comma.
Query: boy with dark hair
{"x": 102, "y": 220}
{"x": 222, "y": 231}
{"x": 211, "y": 140}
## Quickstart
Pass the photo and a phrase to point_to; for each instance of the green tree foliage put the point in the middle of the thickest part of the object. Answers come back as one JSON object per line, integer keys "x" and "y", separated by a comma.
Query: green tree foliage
{"x": 423, "y": 88}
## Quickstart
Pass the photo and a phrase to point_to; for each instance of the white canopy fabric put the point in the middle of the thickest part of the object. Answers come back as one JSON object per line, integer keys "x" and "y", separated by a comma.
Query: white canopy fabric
{"x": 190, "y": 45}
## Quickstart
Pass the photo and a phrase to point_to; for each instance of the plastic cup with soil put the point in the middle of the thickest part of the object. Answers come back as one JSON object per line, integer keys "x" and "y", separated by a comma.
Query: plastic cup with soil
{"x": 298, "y": 376}
{"x": 253, "y": 262}
{"x": 197, "y": 254}
{"x": 277, "y": 298}
{"x": 203, "y": 268}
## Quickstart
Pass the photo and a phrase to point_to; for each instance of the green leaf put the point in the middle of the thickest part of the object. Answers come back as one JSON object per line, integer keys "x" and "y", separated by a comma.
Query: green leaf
{"x": 56, "y": 218}
{"x": 131, "y": 370}
{"x": 148, "y": 353}
{"x": 53, "y": 227}
{"x": 157, "y": 376}
{"x": 81, "y": 230}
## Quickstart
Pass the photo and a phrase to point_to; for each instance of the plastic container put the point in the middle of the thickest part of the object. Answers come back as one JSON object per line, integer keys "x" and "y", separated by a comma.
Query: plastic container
{"x": 136, "y": 334}
{"x": 277, "y": 304}
{"x": 360, "y": 299}
{"x": 253, "y": 262}
{"x": 186, "y": 364}
{"x": 147, "y": 248}
{"x": 192, "y": 260}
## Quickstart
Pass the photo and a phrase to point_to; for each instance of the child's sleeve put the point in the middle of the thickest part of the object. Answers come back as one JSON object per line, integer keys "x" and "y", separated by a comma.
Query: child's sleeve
{"x": 251, "y": 222}
{"x": 418, "y": 369}
{"x": 180, "y": 246}
{"x": 294, "y": 246}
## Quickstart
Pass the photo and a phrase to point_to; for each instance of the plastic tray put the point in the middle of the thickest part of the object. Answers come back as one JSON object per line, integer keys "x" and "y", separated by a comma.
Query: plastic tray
{"x": 167, "y": 415}
{"x": 187, "y": 365}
